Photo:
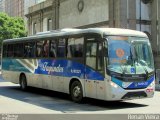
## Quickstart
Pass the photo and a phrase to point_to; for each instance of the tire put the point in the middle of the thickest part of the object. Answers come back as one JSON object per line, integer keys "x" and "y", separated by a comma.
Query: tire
{"x": 76, "y": 92}
{"x": 23, "y": 82}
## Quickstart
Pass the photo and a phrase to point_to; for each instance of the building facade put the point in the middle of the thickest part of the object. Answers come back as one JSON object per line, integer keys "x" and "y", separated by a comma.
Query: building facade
{"x": 2, "y": 6}
{"x": 14, "y": 8}
{"x": 142, "y": 15}
{"x": 18, "y": 8}
{"x": 42, "y": 17}
{"x": 29, "y": 3}
{"x": 92, "y": 13}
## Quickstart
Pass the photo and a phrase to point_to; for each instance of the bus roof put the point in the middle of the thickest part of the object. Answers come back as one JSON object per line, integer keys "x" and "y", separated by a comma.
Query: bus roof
{"x": 70, "y": 31}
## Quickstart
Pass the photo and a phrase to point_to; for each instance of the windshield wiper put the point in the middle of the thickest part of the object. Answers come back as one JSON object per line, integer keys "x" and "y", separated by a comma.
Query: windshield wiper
{"x": 130, "y": 58}
{"x": 144, "y": 68}
{"x": 123, "y": 69}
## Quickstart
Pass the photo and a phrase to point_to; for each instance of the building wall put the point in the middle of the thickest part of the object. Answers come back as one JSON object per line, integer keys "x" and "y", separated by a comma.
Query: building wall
{"x": 155, "y": 29}
{"x": 29, "y": 3}
{"x": 2, "y": 6}
{"x": 14, "y": 8}
{"x": 92, "y": 12}
{"x": 144, "y": 15}
{"x": 8, "y": 7}
{"x": 122, "y": 14}
{"x": 19, "y": 7}
{"x": 102, "y": 13}
{"x": 40, "y": 14}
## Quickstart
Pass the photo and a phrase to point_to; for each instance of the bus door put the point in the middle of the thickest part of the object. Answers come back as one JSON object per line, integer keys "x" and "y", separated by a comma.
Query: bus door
{"x": 94, "y": 80}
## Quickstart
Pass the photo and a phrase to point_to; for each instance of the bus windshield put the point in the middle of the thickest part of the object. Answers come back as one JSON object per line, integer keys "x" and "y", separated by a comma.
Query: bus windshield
{"x": 129, "y": 55}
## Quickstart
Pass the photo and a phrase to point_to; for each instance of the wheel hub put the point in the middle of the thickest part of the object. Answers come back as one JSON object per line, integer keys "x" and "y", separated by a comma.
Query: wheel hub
{"x": 76, "y": 91}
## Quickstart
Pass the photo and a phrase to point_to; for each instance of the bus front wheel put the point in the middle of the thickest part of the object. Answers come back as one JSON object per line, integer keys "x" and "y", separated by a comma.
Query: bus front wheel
{"x": 23, "y": 82}
{"x": 76, "y": 92}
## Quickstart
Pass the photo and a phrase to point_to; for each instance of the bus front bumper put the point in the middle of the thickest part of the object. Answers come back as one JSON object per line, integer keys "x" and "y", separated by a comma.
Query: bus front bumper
{"x": 119, "y": 93}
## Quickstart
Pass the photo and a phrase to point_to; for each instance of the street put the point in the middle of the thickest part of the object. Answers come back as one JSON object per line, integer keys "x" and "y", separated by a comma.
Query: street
{"x": 39, "y": 101}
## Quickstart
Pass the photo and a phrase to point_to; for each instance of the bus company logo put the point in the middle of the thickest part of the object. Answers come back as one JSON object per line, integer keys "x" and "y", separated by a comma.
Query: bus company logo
{"x": 75, "y": 71}
{"x": 120, "y": 52}
{"x": 45, "y": 67}
{"x": 141, "y": 84}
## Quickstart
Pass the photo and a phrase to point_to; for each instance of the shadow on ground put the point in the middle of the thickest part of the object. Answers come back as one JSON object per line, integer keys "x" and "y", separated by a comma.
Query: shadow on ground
{"x": 60, "y": 101}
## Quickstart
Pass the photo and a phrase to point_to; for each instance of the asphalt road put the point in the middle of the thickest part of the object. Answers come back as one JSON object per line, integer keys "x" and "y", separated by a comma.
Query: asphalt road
{"x": 39, "y": 101}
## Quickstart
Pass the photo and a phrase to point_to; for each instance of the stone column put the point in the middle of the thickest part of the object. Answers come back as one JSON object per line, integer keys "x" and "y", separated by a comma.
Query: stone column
{"x": 55, "y": 15}
{"x": 111, "y": 13}
{"x": 158, "y": 23}
{"x": 57, "y": 4}
{"x": 132, "y": 14}
{"x": 29, "y": 25}
{"x": 118, "y": 13}
{"x": 122, "y": 14}
{"x": 154, "y": 41}
{"x": 155, "y": 31}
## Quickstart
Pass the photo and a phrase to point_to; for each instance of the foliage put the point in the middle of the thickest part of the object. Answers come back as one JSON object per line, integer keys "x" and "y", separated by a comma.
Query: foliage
{"x": 11, "y": 27}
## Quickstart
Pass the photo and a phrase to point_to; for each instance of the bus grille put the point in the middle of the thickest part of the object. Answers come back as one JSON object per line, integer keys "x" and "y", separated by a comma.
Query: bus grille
{"x": 132, "y": 79}
{"x": 131, "y": 95}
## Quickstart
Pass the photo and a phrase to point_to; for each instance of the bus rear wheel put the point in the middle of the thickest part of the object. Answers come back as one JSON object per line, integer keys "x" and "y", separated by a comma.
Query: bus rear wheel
{"x": 23, "y": 82}
{"x": 76, "y": 92}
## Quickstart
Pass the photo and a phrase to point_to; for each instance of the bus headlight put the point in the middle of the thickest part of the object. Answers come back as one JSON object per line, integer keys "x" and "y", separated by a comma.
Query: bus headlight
{"x": 152, "y": 84}
{"x": 114, "y": 84}
{"x": 150, "y": 88}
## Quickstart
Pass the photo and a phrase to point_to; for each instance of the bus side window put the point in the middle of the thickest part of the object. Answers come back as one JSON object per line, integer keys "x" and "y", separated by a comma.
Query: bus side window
{"x": 53, "y": 49}
{"x": 10, "y": 51}
{"x": 75, "y": 47}
{"x": 61, "y": 48}
{"x": 29, "y": 49}
{"x": 91, "y": 54}
{"x": 100, "y": 57}
{"x": 5, "y": 51}
{"x": 39, "y": 49}
{"x": 18, "y": 50}
{"x": 45, "y": 49}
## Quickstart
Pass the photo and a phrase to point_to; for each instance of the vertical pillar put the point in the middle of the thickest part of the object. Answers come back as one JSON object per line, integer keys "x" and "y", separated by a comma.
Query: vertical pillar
{"x": 154, "y": 41}
{"x": 55, "y": 15}
{"x": 57, "y": 4}
{"x": 111, "y": 13}
{"x": 30, "y": 25}
{"x": 158, "y": 24}
{"x": 41, "y": 20}
{"x": 118, "y": 13}
{"x": 131, "y": 8}
{"x": 123, "y": 14}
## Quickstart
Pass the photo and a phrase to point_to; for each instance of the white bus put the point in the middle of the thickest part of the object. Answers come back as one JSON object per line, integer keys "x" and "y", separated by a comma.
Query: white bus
{"x": 102, "y": 63}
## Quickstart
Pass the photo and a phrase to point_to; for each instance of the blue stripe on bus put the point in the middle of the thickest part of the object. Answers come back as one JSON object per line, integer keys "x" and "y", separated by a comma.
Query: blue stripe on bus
{"x": 13, "y": 65}
{"x": 65, "y": 68}
{"x": 134, "y": 85}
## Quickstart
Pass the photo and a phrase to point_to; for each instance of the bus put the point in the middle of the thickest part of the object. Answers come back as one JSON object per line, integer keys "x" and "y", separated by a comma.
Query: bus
{"x": 109, "y": 64}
